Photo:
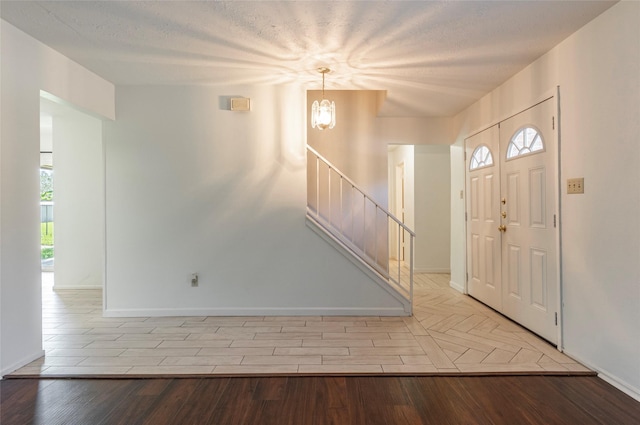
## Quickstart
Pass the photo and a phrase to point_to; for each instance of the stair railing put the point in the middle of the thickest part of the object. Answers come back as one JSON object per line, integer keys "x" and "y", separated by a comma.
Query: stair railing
{"x": 367, "y": 229}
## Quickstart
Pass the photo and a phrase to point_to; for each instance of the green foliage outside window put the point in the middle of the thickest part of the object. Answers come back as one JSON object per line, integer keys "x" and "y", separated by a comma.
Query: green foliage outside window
{"x": 46, "y": 233}
{"x": 46, "y": 253}
{"x": 46, "y": 185}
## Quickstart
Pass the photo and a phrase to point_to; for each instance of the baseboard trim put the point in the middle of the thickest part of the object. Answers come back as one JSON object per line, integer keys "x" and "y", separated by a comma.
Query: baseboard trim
{"x": 55, "y": 287}
{"x": 258, "y": 311}
{"x": 21, "y": 363}
{"x": 620, "y": 384}
{"x": 431, "y": 270}
{"x": 456, "y": 286}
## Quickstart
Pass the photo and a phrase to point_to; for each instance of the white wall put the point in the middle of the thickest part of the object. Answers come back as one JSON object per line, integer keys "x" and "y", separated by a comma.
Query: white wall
{"x": 600, "y": 99}
{"x": 27, "y": 67}
{"x": 598, "y": 71}
{"x": 432, "y": 208}
{"x": 193, "y": 187}
{"x": 79, "y": 200}
{"x": 457, "y": 224}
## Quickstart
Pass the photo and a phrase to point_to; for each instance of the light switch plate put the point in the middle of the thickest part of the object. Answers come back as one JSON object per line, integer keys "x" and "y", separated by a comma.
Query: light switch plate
{"x": 240, "y": 104}
{"x": 575, "y": 186}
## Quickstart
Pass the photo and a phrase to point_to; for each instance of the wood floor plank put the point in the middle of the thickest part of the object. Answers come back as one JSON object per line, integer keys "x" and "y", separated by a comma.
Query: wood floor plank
{"x": 299, "y": 402}
{"x": 497, "y": 400}
{"x": 199, "y": 408}
{"x": 18, "y": 398}
{"x": 167, "y": 396}
{"x": 558, "y": 406}
{"x": 130, "y": 408}
{"x": 99, "y": 396}
{"x": 581, "y": 395}
{"x": 232, "y": 406}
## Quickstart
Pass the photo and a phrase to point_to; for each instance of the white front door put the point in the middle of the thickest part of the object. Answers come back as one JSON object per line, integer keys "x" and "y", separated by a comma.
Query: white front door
{"x": 483, "y": 218}
{"x": 511, "y": 218}
{"x": 528, "y": 188}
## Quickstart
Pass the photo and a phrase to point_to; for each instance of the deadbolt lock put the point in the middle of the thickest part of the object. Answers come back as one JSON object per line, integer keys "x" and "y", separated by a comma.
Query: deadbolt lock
{"x": 502, "y": 228}
{"x": 504, "y": 201}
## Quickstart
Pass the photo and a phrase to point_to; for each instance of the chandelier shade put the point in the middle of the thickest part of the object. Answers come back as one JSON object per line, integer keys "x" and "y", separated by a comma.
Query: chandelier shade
{"x": 323, "y": 113}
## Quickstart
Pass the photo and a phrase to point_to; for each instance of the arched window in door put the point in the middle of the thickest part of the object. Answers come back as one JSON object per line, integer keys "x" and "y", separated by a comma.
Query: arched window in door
{"x": 525, "y": 141}
{"x": 480, "y": 158}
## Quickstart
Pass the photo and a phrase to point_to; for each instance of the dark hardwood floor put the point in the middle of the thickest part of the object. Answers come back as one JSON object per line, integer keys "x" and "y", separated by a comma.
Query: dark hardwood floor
{"x": 512, "y": 400}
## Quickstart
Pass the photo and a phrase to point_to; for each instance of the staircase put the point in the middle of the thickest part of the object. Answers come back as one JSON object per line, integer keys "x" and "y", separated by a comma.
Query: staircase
{"x": 355, "y": 224}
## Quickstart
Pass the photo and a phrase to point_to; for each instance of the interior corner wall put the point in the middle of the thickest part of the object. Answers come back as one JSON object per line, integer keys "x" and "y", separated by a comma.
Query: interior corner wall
{"x": 598, "y": 71}
{"x": 457, "y": 223}
{"x": 79, "y": 201}
{"x": 401, "y": 155}
{"x": 432, "y": 208}
{"x": 192, "y": 187}
{"x": 28, "y": 67}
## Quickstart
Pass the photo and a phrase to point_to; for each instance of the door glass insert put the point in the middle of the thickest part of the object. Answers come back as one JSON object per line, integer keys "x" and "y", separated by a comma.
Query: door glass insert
{"x": 525, "y": 141}
{"x": 481, "y": 158}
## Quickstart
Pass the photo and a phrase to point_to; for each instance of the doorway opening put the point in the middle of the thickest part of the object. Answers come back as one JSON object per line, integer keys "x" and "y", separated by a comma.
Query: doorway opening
{"x": 46, "y": 195}
{"x": 399, "y": 209}
{"x": 419, "y": 178}
{"x": 72, "y": 197}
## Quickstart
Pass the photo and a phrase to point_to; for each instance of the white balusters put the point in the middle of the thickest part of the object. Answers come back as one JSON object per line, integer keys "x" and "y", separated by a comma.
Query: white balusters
{"x": 358, "y": 245}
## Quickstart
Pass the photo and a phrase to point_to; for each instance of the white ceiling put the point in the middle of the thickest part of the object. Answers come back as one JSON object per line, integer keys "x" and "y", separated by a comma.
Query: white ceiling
{"x": 433, "y": 58}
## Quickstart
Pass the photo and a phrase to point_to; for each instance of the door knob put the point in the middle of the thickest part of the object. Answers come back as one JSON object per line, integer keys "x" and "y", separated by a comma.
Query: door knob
{"x": 502, "y": 228}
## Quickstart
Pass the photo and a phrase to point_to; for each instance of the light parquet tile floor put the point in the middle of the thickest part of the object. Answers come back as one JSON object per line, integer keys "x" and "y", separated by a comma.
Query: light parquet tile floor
{"x": 449, "y": 333}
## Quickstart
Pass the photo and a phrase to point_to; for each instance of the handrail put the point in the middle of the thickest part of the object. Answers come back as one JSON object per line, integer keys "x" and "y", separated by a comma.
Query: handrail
{"x": 355, "y": 186}
{"x": 368, "y": 239}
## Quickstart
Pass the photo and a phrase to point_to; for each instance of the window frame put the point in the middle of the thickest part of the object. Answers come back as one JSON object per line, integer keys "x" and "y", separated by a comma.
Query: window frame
{"x": 520, "y": 154}
{"x": 484, "y": 165}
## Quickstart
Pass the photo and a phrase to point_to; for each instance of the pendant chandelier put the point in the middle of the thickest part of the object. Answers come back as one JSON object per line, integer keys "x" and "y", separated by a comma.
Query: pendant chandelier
{"x": 323, "y": 113}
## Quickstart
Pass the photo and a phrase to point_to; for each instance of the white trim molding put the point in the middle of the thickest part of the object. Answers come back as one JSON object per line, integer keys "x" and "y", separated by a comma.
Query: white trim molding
{"x": 431, "y": 270}
{"x": 620, "y": 384}
{"x": 21, "y": 363}
{"x": 55, "y": 287}
{"x": 457, "y": 286}
{"x": 257, "y": 311}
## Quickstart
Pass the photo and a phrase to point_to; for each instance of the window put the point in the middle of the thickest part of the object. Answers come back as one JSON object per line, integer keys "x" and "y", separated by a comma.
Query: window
{"x": 481, "y": 158}
{"x": 526, "y": 141}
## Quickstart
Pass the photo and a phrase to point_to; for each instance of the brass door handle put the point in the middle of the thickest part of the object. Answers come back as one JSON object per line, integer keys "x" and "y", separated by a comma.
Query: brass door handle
{"x": 502, "y": 228}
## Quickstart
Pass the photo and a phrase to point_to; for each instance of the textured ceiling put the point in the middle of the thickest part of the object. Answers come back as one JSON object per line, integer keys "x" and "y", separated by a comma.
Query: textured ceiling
{"x": 433, "y": 58}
